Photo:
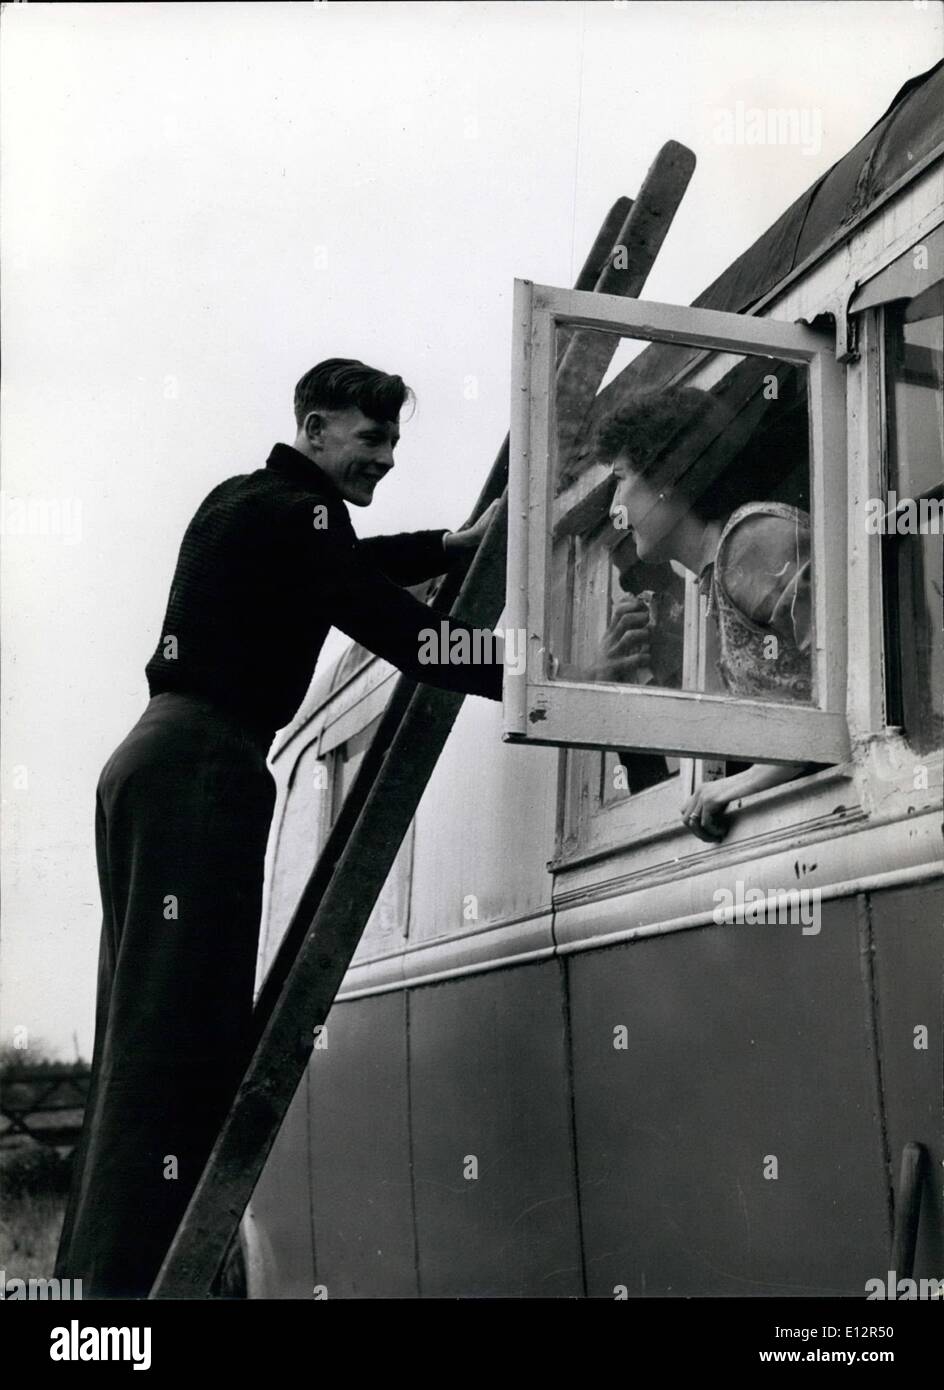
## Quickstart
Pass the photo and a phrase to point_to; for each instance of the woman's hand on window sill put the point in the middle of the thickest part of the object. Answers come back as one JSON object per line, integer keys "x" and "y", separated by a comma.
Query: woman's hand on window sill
{"x": 705, "y": 812}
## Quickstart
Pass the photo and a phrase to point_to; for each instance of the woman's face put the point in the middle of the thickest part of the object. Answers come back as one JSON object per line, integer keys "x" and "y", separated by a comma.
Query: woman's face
{"x": 639, "y": 508}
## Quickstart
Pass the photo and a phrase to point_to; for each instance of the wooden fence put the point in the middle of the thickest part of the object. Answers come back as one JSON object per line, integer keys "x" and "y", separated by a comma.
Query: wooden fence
{"x": 44, "y": 1103}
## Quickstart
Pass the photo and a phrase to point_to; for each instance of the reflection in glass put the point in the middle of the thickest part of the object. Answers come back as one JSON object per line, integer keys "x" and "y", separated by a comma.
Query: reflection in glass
{"x": 688, "y": 472}
{"x": 710, "y": 481}
{"x": 912, "y": 543}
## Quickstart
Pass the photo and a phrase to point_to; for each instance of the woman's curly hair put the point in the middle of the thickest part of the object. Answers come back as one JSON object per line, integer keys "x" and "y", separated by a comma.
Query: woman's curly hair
{"x": 649, "y": 423}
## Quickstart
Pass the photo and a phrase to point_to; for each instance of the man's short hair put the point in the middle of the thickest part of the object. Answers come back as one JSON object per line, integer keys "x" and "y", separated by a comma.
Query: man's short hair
{"x": 341, "y": 382}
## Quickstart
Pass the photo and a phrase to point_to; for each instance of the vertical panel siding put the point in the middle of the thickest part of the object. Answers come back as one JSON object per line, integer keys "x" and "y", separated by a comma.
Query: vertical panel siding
{"x": 360, "y": 1156}
{"x": 489, "y": 1082}
{"x": 908, "y": 944}
{"x": 743, "y": 1042}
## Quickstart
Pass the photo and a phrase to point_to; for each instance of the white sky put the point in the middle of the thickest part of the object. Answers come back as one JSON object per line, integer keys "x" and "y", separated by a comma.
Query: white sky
{"x": 200, "y": 201}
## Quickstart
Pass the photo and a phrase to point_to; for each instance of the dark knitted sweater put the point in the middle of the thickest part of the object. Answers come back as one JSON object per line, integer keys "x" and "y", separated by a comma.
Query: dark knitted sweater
{"x": 269, "y": 563}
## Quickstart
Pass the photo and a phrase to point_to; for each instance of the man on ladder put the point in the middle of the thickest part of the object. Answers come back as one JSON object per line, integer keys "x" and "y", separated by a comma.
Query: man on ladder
{"x": 269, "y": 563}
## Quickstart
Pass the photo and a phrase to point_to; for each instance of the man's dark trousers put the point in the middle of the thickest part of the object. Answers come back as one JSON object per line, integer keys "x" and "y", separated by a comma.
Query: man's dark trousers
{"x": 182, "y": 817}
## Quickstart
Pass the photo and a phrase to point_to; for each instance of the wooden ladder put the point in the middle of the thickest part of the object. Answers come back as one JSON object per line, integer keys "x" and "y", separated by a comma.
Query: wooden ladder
{"x": 300, "y": 987}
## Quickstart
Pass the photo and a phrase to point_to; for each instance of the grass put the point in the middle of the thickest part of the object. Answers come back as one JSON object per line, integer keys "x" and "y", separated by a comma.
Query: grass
{"x": 34, "y": 1177}
{"x": 33, "y": 1184}
{"x": 29, "y": 1234}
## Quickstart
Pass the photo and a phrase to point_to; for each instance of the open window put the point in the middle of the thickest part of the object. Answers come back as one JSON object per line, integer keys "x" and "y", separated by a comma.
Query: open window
{"x": 342, "y": 750}
{"x": 900, "y": 308}
{"x": 700, "y": 487}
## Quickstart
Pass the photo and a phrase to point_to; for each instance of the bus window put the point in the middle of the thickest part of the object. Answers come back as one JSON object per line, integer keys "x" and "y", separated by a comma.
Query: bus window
{"x": 913, "y": 546}
{"x": 302, "y": 831}
{"x": 713, "y": 482}
{"x": 710, "y": 492}
{"x": 388, "y": 923}
{"x": 673, "y": 558}
{"x": 345, "y": 760}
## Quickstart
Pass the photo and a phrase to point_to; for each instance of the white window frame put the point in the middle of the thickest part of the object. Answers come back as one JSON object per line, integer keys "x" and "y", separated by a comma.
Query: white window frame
{"x": 681, "y": 723}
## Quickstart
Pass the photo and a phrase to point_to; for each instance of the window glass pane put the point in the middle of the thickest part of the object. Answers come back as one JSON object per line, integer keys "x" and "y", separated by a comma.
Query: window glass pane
{"x": 388, "y": 922}
{"x": 913, "y": 541}
{"x": 627, "y": 774}
{"x": 916, "y": 428}
{"x": 690, "y": 466}
{"x": 347, "y": 759}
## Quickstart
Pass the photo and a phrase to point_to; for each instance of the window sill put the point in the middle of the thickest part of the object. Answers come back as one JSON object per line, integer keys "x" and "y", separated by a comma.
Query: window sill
{"x": 794, "y": 808}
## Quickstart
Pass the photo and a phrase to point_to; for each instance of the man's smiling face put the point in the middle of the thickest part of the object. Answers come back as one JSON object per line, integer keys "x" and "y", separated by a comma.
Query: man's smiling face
{"x": 354, "y": 450}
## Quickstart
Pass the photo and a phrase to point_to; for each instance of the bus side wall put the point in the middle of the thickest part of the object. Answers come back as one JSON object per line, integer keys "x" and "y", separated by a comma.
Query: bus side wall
{"x": 732, "y": 1140}
{"x": 484, "y": 831}
{"x": 343, "y": 1124}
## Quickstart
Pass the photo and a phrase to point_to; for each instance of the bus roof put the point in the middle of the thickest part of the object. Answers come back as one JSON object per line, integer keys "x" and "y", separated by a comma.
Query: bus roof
{"x": 909, "y": 130}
